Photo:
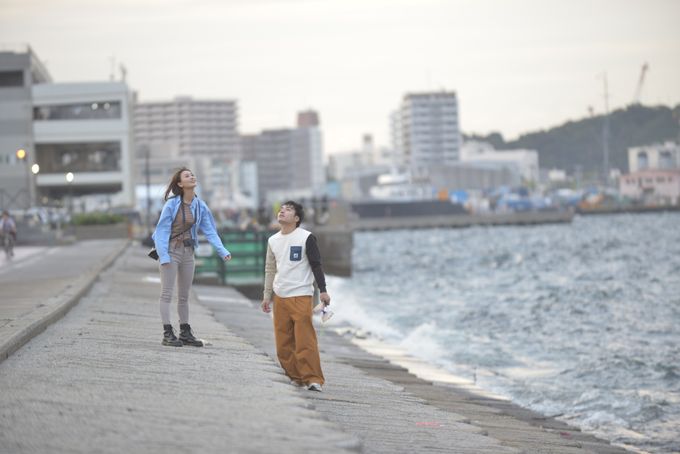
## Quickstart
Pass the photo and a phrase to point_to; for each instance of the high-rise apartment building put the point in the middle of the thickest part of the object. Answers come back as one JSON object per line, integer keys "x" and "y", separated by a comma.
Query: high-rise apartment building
{"x": 425, "y": 129}
{"x": 200, "y": 134}
{"x": 188, "y": 127}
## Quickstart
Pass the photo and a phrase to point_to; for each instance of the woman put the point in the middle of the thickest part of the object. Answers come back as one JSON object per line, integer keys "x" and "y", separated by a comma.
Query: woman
{"x": 176, "y": 237}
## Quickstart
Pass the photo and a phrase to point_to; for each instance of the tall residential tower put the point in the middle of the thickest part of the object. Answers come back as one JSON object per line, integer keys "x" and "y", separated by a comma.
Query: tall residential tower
{"x": 425, "y": 130}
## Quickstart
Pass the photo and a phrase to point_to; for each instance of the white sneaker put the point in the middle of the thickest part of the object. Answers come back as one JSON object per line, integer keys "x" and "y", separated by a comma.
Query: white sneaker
{"x": 314, "y": 387}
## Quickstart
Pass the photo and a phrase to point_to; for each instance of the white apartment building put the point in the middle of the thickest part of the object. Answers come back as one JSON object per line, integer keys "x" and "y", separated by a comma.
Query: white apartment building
{"x": 201, "y": 134}
{"x": 425, "y": 129}
{"x": 84, "y": 129}
{"x": 654, "y": 174}
{"x": 656, "y": 156}
{"x": 397, "y": 139}
{"x": 523, "y": 162}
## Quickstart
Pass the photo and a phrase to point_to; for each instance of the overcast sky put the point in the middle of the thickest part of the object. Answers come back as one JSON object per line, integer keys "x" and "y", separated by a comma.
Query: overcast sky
{"x": 516, "y": 65}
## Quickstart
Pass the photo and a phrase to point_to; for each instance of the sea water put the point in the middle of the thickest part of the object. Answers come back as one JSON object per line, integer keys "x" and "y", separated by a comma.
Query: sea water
{"x": 579, "y": 320}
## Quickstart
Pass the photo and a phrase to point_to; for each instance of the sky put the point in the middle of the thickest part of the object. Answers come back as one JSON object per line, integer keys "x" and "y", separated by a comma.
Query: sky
{"x": 516, "y": 65}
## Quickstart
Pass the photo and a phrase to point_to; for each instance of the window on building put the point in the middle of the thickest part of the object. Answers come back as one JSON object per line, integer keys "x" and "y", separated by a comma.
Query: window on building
{"x": 11, "y": 78}
{"x": 642, "y": 160}
{"x": 660, "y": 179}
{"x": 666, "y": 160}
{"x": 79, "y": 157}
{"x": 100, "y": 110}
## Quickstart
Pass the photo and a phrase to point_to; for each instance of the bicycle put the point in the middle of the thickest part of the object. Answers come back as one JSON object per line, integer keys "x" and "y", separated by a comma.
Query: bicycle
{"x": 8, "y": 244}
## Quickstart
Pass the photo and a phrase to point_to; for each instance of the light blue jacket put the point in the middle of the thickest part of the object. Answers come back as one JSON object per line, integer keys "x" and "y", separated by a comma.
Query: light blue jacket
{"x": 203, "y": 220}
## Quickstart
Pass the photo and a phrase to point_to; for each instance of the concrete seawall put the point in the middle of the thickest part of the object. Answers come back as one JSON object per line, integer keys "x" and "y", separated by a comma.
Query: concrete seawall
{"x": 335, "y": 244}
{"x": 337, "y": 241}
{"x": 464, "y": 220}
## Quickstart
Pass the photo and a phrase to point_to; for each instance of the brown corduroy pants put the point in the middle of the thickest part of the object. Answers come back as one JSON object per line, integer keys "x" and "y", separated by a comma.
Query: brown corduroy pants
{"x": 296, "y": 345}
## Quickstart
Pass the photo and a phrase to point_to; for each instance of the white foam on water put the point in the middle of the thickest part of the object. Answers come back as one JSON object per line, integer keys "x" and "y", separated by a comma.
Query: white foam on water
{"x": 399, "y": 356}
{"x": 421, "y": 343}
{"x": 349, "y": 312}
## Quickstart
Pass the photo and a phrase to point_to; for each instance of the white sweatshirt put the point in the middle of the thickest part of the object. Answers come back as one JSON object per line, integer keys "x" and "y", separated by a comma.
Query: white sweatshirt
{"x": 294, "y": 275}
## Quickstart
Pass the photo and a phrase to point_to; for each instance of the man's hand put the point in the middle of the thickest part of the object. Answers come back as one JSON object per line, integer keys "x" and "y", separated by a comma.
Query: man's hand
{"x": 227, "y": 258}
{"x": 266, "y": 306}
{"x": 325, "y": 298}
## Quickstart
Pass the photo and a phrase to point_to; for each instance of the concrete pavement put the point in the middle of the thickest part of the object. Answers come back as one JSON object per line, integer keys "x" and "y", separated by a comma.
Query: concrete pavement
{"x": 391, "y": 410}
{"x": 39, "y": 285}
{"x": 99, "y": 380}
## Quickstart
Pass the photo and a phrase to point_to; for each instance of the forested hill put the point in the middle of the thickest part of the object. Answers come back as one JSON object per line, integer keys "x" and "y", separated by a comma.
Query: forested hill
{"x": 579, "y": 143}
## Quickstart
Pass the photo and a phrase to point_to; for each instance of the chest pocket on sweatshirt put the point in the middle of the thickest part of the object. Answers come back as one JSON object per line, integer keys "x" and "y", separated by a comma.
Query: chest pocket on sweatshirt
{"x": 295, "y": 253}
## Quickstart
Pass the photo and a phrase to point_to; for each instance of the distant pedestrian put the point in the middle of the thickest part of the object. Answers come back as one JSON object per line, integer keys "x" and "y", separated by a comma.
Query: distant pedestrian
{"x": 8, "y": 230}
{"x": 293, "y": 264}
{"x": 176, "y": 238}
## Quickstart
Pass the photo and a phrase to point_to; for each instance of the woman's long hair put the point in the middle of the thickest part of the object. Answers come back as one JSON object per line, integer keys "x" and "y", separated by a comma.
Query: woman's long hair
{"x": 173, "y": 186}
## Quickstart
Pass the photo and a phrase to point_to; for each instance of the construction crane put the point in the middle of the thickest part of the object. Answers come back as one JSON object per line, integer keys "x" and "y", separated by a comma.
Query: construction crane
{"x": 638, "y": 89}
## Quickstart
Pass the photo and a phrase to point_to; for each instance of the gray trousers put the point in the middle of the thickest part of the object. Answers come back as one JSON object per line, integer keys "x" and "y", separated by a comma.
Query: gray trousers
{"x": 180, "y": 269}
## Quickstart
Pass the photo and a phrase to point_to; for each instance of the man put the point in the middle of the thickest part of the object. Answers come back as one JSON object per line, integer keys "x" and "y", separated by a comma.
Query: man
{"x": 293, "y": 264}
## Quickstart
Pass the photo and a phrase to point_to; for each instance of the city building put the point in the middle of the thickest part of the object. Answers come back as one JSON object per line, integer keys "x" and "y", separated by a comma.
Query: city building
{"x": 187, "y": 127}
{"x": 397, "y": 139}
{"x": 652, "y": 186}
{"x": 656, "y": 156}
{"x": 200, "y": 134}
{"x": 348, "y": 163}
{"x": 61, "y": 141}
{"x": 288, "y": 160}
{"x": 84, "y": 129}
{"x": 477, "y": 175}
{"x": 425, "y": 130}
{"x": 523, "y": 162}
{"x": 20, "y": 70}
{"x": 654, "y": 177}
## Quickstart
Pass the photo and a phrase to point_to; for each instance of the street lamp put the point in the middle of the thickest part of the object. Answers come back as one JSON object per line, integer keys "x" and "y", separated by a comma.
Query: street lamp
{"x": 22, "y": 156}
{"x": 35, "y": 168}
{"x": 69, "y": 180}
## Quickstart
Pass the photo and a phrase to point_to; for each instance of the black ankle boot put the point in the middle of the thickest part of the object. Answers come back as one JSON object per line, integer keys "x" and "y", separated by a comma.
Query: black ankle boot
{"x": 169, "y": 337}
{"x": 187, "y": 337}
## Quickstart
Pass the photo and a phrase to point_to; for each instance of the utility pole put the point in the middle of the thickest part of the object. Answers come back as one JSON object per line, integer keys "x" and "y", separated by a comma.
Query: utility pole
{"x": 147, "y": 175}
{"x": 605, "y": 134}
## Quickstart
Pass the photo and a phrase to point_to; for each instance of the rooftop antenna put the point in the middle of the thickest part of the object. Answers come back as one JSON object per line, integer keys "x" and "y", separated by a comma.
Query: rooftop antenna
{"x": 112, "y": 74}
{"x": 605, "y": 132}
{"x": 123, "y": 72}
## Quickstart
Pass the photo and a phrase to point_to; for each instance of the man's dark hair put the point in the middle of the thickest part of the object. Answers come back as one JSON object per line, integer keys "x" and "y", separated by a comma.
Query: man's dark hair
{"x": 299, "y": 211}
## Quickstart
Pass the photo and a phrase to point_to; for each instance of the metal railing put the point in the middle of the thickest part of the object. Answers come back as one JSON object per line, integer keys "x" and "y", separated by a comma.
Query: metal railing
{"x": 249, "y": 252}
